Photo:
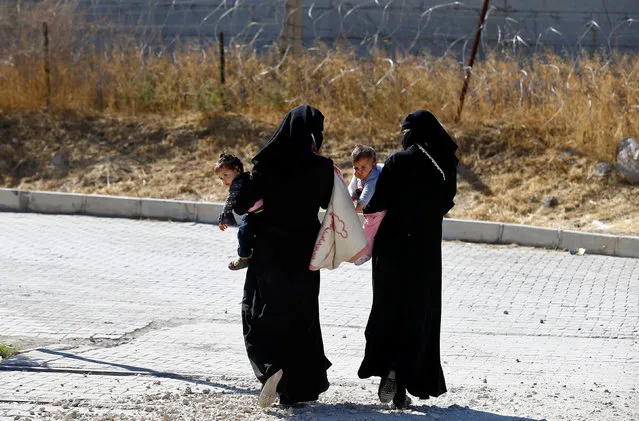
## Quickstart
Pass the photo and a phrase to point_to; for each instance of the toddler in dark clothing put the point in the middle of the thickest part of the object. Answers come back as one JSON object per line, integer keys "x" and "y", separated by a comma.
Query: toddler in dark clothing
{"x": 243, "y": 200}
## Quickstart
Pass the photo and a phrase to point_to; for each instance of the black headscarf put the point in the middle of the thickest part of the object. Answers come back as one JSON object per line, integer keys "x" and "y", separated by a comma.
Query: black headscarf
{"x": 293, "y": 143}
{"x": 288, "y": 151}
{"x": 425, "y": 130}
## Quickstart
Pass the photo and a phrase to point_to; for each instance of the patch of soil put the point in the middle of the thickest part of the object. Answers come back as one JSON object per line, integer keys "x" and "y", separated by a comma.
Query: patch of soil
{"x": 506, "y": 174}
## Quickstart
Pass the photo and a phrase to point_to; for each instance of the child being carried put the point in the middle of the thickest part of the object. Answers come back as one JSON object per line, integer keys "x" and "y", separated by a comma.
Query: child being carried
{"x": 366, "y": 171}
{"x": 243, "y": 200}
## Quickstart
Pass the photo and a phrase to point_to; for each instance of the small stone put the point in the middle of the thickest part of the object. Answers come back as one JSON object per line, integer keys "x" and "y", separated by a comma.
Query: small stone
{"x": 59, "y": 161}
{"x": 628, "y": 159}
{"x": 602, "y": 169}
{"x": 550, "y": 201}
{"x": 518, "y": 360}
{"x": 188, "y": 391}
{"x": 506, "y": 312}
{"x": 206, "y": 391}
{"x": 71, "y": 415}
{"x": 541, "y": 321}
{"x": 485, "y": 380}
{"x": 157, "y": 382}
{"x": 185, "y": 401}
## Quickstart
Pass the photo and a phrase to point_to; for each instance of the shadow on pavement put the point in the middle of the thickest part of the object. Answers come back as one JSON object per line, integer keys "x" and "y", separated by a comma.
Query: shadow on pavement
{"x": 24, "y": 363}
{"x": 354, "y": 412}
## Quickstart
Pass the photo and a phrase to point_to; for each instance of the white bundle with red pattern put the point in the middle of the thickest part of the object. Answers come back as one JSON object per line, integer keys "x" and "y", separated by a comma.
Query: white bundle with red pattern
{"x": 341, "y": 237}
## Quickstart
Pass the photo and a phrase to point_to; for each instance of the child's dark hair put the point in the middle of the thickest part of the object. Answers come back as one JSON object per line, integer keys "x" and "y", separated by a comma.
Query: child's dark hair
{"x": 363, "y": 152}
{"x": 229, "y": 161}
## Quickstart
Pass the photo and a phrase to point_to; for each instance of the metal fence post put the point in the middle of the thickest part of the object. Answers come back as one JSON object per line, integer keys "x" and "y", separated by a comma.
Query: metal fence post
{"x": 47, "y": 64}
{"x": 221, "y": 37}
{"x": 469, "y": 69}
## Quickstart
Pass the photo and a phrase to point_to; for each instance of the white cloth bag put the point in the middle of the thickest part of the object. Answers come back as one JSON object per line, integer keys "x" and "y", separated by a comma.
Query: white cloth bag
{"x": 341, "y": 237}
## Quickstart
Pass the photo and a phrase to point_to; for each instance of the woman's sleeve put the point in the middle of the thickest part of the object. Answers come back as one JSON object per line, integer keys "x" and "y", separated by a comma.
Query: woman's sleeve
{"x": 326, "y": 184}
{"x": 383, "y": 195}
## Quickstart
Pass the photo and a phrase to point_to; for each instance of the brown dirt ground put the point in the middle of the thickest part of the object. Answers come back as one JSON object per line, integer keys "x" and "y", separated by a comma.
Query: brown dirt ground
{"x": 172, "y": 157}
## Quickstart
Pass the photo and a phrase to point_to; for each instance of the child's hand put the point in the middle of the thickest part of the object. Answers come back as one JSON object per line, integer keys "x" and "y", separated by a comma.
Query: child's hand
{"x": 223, "y": 227}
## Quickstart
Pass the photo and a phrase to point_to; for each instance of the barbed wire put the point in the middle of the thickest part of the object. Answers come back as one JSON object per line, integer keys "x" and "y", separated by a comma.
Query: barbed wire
{"x": 407, "y": 26}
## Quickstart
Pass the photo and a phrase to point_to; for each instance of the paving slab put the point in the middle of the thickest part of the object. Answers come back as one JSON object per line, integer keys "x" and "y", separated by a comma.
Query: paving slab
{"x": 113, "y": 306}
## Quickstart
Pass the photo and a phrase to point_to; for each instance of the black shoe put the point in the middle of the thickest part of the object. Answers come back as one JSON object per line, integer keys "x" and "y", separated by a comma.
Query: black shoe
{"x": 401, "y": 400}
{"x": 387, "y": 388}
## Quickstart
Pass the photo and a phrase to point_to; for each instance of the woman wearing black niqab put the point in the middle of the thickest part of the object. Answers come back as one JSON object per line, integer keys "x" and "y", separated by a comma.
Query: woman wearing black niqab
{"x": 280, "y": 310}
{"x": 416, "y": 189}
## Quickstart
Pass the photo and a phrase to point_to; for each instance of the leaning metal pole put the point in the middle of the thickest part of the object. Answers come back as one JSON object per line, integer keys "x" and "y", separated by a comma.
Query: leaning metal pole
{"x": 469, "y": 69}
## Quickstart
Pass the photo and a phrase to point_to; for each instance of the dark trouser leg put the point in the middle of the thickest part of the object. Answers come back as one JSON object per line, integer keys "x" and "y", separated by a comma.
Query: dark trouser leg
{"x": 245, "y": 236}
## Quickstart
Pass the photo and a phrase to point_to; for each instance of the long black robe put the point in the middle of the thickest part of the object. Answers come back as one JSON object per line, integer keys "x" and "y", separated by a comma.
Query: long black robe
{"x": 403, "y": 328}
{"x": 280, "y": 308}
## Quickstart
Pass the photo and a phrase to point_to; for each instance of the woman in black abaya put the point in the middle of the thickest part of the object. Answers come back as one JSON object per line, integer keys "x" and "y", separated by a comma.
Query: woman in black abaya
{"x": 280, "y": 310}
{"x": 416, "y": 189}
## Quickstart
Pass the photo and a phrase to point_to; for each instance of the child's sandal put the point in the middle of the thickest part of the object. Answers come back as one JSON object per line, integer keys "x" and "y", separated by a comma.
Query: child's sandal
{"x": 239, "y": 264}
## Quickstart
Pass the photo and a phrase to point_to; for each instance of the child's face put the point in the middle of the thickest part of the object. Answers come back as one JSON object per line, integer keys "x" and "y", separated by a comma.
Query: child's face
{"x": 363, "y": 167}
{"x": 227, "y": 175}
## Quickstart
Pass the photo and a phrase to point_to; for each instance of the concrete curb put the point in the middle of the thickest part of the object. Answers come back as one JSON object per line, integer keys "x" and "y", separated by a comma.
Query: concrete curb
{"x": 13, "y": 200}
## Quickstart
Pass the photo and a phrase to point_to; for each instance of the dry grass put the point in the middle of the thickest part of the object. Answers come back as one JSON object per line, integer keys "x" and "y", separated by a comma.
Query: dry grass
{"x": 588, "y": 104}
{"x": 140, "y": 122}
{"x": 584, "y": 102}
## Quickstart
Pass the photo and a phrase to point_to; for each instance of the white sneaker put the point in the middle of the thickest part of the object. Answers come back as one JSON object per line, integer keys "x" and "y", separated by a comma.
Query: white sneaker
{"x": 269, "y": 390}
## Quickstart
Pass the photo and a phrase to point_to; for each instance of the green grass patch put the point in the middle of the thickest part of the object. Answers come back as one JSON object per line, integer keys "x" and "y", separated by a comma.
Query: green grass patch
{"x": 7, "y": 351}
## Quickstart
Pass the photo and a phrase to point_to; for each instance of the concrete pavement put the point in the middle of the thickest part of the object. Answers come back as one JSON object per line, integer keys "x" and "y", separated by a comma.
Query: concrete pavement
{"x": 116, "y": 309}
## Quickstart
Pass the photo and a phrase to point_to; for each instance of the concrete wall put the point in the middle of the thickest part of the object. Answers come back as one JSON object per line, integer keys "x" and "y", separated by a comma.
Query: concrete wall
{"x": 407, "y": 23}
